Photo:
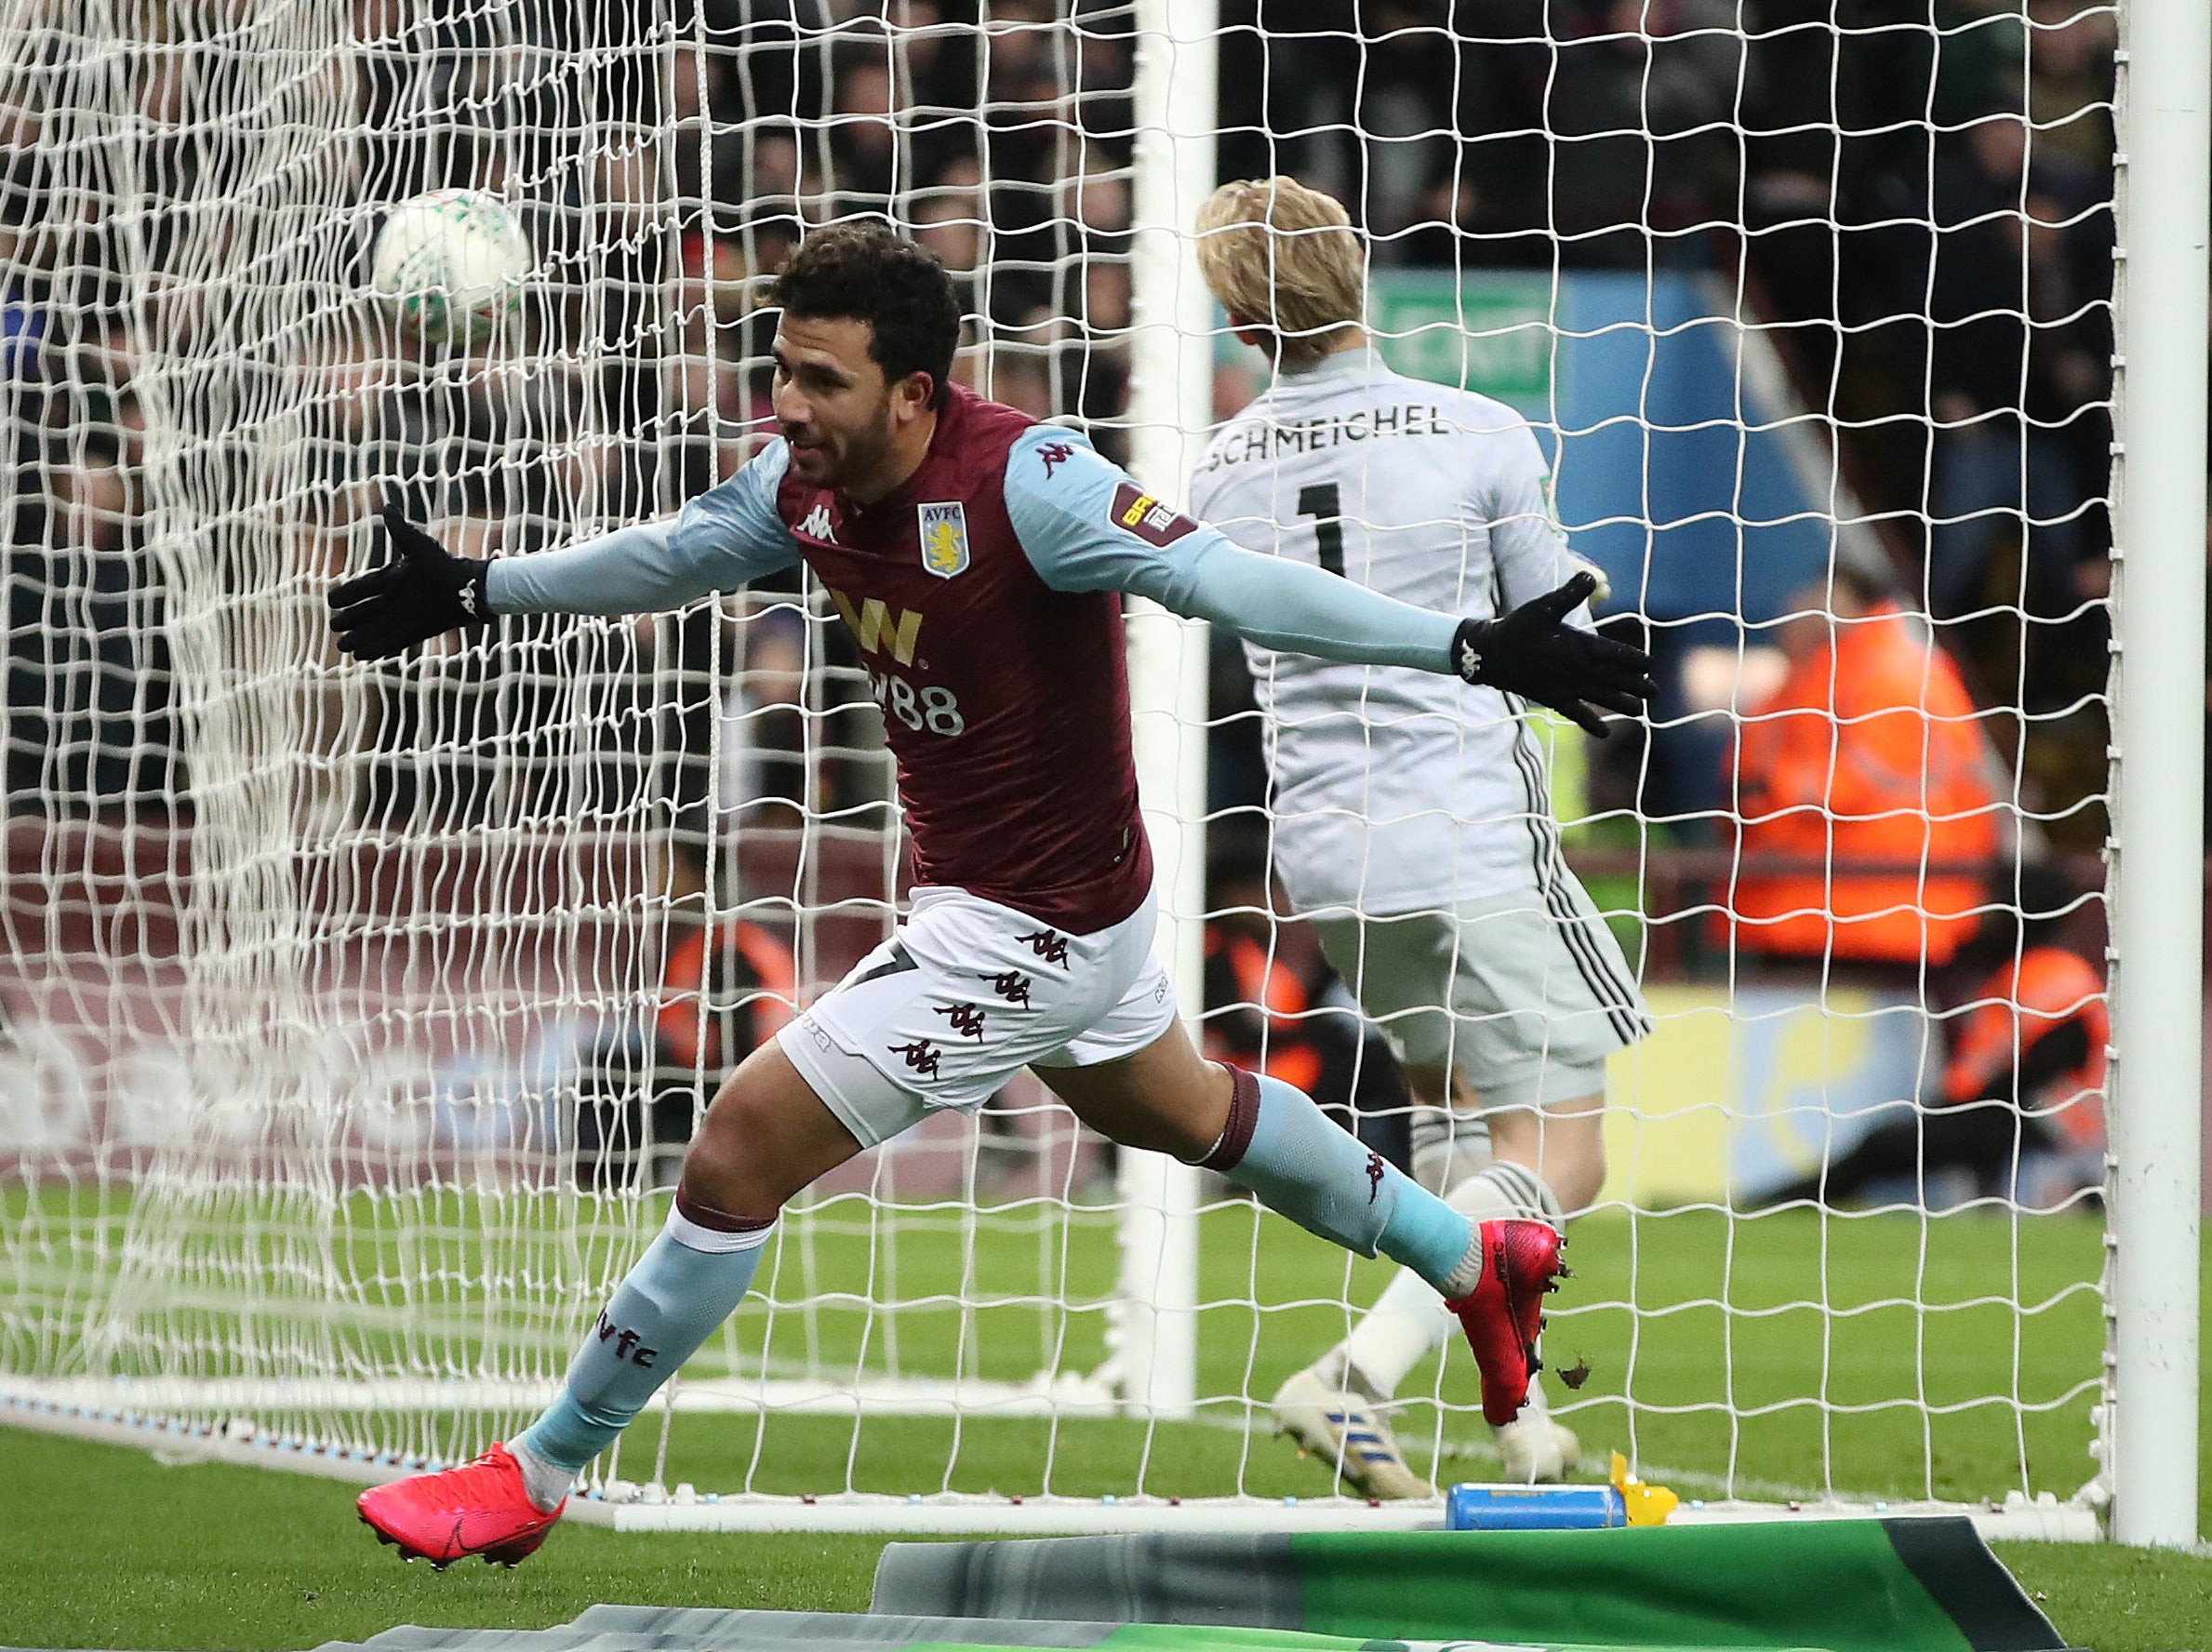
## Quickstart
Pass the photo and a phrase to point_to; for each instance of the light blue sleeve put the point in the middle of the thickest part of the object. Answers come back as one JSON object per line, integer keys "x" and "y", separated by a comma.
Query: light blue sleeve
{"x": 727, "y": 537}
{"x": 1087, "y": 526}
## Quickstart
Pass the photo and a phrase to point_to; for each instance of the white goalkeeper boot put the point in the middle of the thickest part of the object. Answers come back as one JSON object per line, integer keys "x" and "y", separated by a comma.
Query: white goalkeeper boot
{"x": 1346, "y": 1429}
{"x": 1538, "y": 1449}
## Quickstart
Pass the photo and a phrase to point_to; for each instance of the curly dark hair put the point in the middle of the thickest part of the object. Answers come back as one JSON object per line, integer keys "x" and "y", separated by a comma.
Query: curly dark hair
{"x": 865, "y": 271}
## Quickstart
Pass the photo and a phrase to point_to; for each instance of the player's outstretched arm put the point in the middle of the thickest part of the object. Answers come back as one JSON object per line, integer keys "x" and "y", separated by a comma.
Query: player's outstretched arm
{"x": 1086, "y": 526}
{"x": 726, "y": 538}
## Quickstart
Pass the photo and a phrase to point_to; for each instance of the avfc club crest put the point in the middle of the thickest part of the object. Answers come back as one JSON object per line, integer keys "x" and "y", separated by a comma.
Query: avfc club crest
{"x": 944, "y": 537}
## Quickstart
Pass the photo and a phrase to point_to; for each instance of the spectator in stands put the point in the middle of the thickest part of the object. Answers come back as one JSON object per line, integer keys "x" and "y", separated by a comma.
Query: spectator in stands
{"x": 1096, "y": 374}
{"x": 2021, "y": 1108}
{"x": 2070, "y": 79}
{"x": 700, "y": 387}
{"x": 2012, "y": 362}
{"x": 1017, "y": 375}
{"x": 1408, "y": 105}
{"x": 1636, "y": 97}
{"x": 1093, "y": 199}
{"x": 1869, "y": 769}
{"x": 88, "y": 693}
{"x": 776, "y": 191}
{"x": 863, "y": 140}
{"x": 1022, "y": 94}
{"x": 949, "y": 221}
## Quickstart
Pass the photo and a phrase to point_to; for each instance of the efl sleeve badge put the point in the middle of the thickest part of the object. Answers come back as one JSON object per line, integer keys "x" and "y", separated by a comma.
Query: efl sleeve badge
{"x": 1146, "y": 517}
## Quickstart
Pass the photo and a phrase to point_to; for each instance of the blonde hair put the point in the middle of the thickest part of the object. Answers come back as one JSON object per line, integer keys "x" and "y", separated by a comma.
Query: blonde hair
{"x": 1282, "y": 258}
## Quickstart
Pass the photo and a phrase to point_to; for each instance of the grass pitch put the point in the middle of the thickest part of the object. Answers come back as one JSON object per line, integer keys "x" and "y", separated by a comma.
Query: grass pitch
{"x": 1771, "y": 1356}
{"x": 1774, "y": 1357}
{"x": 1873, "y": 1356}
{"x": 115, "y": 1550}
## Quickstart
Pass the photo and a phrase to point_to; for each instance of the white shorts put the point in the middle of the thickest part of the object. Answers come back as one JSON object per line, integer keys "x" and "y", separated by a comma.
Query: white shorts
{"x": 1525, "y": 993}
{"x": 963, "y": 997}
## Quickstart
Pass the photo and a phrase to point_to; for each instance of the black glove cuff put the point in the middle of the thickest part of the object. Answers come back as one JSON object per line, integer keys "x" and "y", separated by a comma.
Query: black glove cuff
{"x": 1469, "y": 644}
{"x": 474, "y": 593}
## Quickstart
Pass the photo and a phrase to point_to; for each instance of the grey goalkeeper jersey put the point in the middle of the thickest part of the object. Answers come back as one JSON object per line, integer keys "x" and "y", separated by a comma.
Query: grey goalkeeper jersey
{"x": 1395, "y": 791}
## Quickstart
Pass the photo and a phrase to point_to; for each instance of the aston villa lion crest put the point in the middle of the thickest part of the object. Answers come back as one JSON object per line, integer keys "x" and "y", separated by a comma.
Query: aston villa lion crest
{"x": 944, "y": 537}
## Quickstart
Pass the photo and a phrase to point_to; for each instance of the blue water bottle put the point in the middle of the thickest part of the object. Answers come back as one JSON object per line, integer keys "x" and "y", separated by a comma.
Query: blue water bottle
{"x": 1532, "y": 1507}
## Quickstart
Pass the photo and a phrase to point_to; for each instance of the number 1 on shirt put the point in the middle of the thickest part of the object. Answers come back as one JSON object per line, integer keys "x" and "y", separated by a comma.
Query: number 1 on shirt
{"x": 1320, "y": 502}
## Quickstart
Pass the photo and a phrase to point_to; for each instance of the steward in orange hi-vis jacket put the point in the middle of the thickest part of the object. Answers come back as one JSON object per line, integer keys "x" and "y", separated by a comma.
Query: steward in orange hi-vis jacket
{"x": 1869, "y": 753}
{"x": 725, "y": 988}
{"x": 710, "y": 1022}
{"x": 2023, "y": 1079}
{"x": 1264, "y": 1023}
{"x": 2036, "y": 1029}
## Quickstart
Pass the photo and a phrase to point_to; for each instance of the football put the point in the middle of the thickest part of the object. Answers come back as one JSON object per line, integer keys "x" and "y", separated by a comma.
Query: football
{"x": 452, "y": 263}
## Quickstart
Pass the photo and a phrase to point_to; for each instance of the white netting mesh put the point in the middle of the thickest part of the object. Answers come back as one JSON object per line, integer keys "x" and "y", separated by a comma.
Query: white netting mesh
{"x": 350, "y": 1034}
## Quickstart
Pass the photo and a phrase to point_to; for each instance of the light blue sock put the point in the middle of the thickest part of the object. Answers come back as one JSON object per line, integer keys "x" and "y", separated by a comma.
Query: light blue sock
{"x": 690, "y": 1279}
{"x": 1328, "y": 1181}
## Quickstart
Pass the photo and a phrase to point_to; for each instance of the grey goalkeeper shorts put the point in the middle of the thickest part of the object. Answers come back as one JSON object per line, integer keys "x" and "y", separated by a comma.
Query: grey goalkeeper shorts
{"x": 1527, "y": 993}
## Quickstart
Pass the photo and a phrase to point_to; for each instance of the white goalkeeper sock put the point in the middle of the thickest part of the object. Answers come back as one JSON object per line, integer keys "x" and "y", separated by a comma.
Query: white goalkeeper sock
{"x": 1408, "y": 1321}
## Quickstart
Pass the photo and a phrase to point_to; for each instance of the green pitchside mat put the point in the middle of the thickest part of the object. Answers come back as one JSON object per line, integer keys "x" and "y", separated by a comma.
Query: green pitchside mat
{"x": 1918, "y": 1585}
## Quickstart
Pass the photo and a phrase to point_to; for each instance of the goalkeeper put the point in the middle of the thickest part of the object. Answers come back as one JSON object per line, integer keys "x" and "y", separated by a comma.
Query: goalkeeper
{"x": 1412, "y": 818}
{"x": 978, "y": 558}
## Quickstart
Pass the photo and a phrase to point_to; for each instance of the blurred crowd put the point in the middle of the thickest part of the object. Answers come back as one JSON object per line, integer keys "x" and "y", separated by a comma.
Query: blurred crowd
{"x": 662, "y": 175}
{"x": 1914, "y": 200}
{"x": 1913, "y": 196}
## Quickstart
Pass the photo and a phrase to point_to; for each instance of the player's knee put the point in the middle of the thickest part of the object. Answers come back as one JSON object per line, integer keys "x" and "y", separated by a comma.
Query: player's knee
{"x": 730, "y": 1161}
{"x": 1176, "y": 1136}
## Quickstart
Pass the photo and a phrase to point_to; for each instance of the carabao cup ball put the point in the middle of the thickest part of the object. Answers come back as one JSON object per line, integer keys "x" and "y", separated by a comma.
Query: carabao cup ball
{"x": 452, "y": 263}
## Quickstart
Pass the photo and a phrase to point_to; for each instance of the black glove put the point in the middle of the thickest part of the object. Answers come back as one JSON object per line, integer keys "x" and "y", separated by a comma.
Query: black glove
{"x": 1532, "y": 652}
{"x": 423, "y": 591}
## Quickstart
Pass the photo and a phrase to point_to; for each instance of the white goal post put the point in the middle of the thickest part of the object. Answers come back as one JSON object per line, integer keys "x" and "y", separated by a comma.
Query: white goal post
{"x": 328, "y": 1095}
{"x": 2159, "y": 459}
{"x": 1170, "y": 408}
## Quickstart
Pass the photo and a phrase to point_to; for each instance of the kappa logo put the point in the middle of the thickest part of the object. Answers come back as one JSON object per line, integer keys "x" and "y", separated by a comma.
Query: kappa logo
{"x": 1055, "y": 454}
{"x": 1048, "y": 946}
{"x": 944, "y": 527}
{"x": 875, "y": 630}
{"x": 1013, "y": 986}
{"x": 1146, "y": 517}
{"x": 967, "y": 1019}
{"x": 1374, "y": 1176}
{"x": 816, "y": 523}
{"x": 468, "y": 600}
{"x": 921, "y": 1055}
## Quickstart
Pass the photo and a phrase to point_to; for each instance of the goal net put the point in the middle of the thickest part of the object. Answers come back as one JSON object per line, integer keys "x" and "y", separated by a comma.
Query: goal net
{"x": 356, "y": 1015}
